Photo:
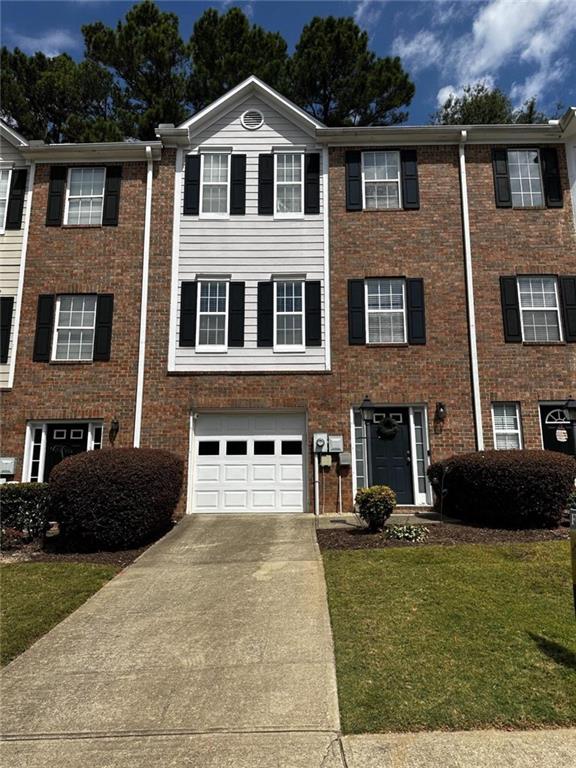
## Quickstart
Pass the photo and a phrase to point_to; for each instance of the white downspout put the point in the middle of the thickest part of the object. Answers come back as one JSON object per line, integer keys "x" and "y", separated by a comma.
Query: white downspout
{"x": 316, "y": 486}
{"x": 470, "y": 298}
{"x": 144, "y": 300}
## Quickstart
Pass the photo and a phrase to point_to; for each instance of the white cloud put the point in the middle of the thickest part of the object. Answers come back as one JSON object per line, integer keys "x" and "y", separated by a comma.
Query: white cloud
{"x": 367, "y": 13}
{"x": 419, "y": 51}
{"x": 52, "y": 42}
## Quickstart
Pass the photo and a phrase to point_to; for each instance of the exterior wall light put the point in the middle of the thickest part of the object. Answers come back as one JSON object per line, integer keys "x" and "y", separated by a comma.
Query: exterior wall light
{"x": 570, "y": 408}
{"x": 367, "y": 409}
{"x": 114, "y": 429}
{"x": 440, "y": 413}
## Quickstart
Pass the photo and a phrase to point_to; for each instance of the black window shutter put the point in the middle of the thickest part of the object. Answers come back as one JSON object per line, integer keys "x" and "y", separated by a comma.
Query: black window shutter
{"x": 353, "y": 180}
{"x": 568, "y": 299}
{"x": 192, "y": 185}
{"x": 112, "y": 196}
{"x": 551, "y": 177}
{"x": 16, "y": 199}
{"x": 188, "y": 303}
{"x": 501, "y": 178}
{"x": 238, "y": 185}
{"x": 236, "y": 315}
{"x": 410, "y": 188}
{"x": 312, "y": 183}
{"x": 266, "y": 185}
{"x": 265, "y": 314}
{"x": 56, "y": 191}
{"x": 356, "y": 318}
{"x": 44, "y": 328}
{"x": 103, "y": 330}
{"x": 510, "y": 310}
{"x": 416, "y": 314}
{"x": 313, "y": 308}
{"x": 6, "y": 308}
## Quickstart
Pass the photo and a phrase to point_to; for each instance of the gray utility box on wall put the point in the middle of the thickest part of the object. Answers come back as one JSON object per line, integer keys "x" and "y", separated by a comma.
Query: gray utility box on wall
{"x": 335, "y": 443}
{"x": 7, "y": 466}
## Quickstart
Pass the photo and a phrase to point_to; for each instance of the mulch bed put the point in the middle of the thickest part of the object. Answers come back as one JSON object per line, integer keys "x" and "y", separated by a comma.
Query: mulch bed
{"x": 52, "y": 553}
{"x": 448, "y": 534}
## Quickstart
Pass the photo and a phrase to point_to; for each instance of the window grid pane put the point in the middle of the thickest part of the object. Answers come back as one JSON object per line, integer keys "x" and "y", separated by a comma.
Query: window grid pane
{"x": 4, "y": 192}
{"x": 525, "y": 181}
{"x": 75, "y": 328}
{"x": 381, "y": 179}
{"x": 212, "y": 314}
{"x": 289, "y": 314}
{"x": 506, "y": 422}
{"x": 86, "y": 196}
{"x": 386, "y": 312}
{"x": 215, "y": 183}
{"x": 540, "y": 310}
{"x": 289, "y": 183}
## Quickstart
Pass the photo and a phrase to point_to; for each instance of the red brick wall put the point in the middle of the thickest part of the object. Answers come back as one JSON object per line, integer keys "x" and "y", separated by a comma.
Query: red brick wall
{"x": 80, "y": 260}
{"x": 508, "y": 241}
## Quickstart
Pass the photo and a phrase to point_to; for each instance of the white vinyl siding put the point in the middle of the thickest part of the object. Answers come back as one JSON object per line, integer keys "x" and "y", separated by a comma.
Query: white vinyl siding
{"x": 381, "y": 180}
{"x": 252, "y": 248}
{"x": 506, "y": 425}
{"x": 74, "y": 328}
{"x": 525, "y": 178}
{"x": 212, "y": 321}
{"x": 539, "y": 309}
{"x": 385, "y": 311}
{"x": 85, "y": 196}
{"x": 5, "y": 177}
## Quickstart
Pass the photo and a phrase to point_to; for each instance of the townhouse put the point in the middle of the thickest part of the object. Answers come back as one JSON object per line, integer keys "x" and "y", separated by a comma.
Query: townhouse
{"x": 298, "y": 311}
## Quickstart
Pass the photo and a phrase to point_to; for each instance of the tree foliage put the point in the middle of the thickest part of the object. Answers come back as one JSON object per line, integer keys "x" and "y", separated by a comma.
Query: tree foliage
{"x": 480, "y": 104}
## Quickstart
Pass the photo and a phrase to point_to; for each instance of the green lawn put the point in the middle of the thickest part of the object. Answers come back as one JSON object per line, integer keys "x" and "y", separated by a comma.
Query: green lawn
{"x": 36, "y": 596}
{"x": 462, "y": 637}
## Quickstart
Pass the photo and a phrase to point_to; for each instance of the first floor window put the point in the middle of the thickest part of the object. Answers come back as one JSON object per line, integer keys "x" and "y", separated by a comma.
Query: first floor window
{"x": 5, "y": 176}
{"x": 506, "y": 422}
{"x": 525, "y": 178}
{"x": 381, "y": 175}
{"x": 539, "y": 308}
{"x": 85, "y": 198}
{"x": 212, "y": 312}
{"x": 289, "y": 183}
{"x": 289, "y": 314}
{"x": 215, "y": 179}
{"x": 386, "y": 311}
{"x": 74, "y": 328}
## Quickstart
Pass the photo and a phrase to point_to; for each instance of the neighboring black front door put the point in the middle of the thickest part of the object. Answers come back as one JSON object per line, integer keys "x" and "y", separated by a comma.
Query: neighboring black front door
{"x": 390, "y": 457}
{"x": 557, "y": 432}
{"x": 63, "y": 440}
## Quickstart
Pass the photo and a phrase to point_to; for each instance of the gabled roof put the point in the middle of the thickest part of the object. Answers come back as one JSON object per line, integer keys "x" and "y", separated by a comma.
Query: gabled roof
{"x": 11, "y": 135}
{"x": 249, "y": 87}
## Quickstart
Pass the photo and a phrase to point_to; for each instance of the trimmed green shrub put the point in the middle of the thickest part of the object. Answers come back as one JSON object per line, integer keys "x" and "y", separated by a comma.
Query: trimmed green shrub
{"x": 375, "y": 505}
{"x": 24, "y": 507}
{"x": 505, "y": 489}
{"x": 118, "y": 498}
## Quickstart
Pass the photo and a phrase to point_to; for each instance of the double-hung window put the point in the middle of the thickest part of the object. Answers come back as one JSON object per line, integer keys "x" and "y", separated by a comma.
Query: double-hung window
{"x": 289, "y": 332}
{"x": 212, "y": 333}
{"x": 539, "y": 308}
{"x": 215, "y": 183}
{"x": 74, "y": 328}
{"x": 385, "y": 311}
{"x": 525, "y": 178}
{"x": 85, "y": 196}
{"x": 289, "y": 183}
{"x": 506, "y": 425}
{"x": 381, "y": 179}
{"x": 5, "y": 177}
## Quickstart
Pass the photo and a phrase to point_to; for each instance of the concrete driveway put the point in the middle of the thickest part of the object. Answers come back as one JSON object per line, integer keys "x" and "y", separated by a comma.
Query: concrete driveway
{"x": 214, "y": 649}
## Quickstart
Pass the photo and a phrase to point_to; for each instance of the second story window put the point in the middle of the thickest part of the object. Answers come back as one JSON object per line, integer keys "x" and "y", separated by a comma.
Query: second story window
{"x": 289, "y": 314}
{"x": 215, "y": 183}
{"x": 74, "y": 328}
{"x": 85, "y": 196}
{"x": 539, "y": 308}
{"x": 212, "y": 314}
{"x": 4, "y": 192}
{"x": 525, "y": 178}
{"x": 381, "y": 179}
{"x": 385, "y": 311}
{"x": 289, "y": 183}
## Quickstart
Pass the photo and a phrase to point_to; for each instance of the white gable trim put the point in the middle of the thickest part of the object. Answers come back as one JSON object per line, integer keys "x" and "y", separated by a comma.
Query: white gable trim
{"x": 240, "y": 93}
{"x": 12, "y": 136}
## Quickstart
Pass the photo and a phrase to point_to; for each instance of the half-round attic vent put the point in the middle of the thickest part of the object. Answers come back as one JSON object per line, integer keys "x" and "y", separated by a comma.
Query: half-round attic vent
{"x": 252, "y": 119}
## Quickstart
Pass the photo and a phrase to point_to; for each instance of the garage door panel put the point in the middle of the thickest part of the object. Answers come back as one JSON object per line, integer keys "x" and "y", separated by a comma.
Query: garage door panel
{"x": 233, "y": 472}
{"x": 235, "y": 500}
{"x": 208, "y": 473}
{"x": 264, "y": 472}
{"x": 262, "y": 499}
{"x": 288, "y": 472}
{"x": 289, "y": 499}
{"x": 209, "y": 500}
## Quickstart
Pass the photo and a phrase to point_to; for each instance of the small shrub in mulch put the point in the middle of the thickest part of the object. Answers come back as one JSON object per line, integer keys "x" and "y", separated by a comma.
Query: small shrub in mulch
{"x": 23, "y": 513}
{"x": 374, "y": 505}
{"x": 505, "y": 489}
{"x": 411, "y": 533}
{"x": 119, "y": 498}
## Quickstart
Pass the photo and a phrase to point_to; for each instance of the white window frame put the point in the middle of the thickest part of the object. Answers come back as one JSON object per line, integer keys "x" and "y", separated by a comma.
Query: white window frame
{"x": 32, "y": 426}
{"x": 220, "y": 214}
{"x": 3, "y": 222}
{"x": 53, "y": 357}
{"x": 208, "y": 348}
{"x": 540, "y": 309}
{"x": 289, "y": 347}
{"x": 368, "y": 312}
{"x": 527, "y": 149}
{"x": 81, "y": 197}
{"x": 399, "y": 180}
{"x": 289, "y": 214}
{"x": 507, "y": 432}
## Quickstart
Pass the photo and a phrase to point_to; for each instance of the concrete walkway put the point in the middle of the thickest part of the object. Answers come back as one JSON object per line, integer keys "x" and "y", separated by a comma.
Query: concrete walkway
{"x": 212, "y": 650}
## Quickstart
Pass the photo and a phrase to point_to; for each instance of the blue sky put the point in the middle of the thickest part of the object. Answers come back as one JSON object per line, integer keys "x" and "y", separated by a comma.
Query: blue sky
{"x": 525, "y": 47}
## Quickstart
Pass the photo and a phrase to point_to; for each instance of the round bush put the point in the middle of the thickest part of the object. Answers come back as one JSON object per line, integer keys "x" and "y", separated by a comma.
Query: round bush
{"x": 117, "y": 498}
{"x": 505, "y": 489}
{"x": 375, "y": 505}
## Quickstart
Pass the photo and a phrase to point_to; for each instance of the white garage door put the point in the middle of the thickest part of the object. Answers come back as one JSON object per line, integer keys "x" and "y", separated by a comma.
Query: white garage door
{"x": 248, "y": 462}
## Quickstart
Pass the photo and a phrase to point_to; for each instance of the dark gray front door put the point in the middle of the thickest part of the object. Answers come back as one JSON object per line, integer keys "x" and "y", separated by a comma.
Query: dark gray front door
{"x": 390, "y": 455}
{"x": 63, "y": 440}
{"x": 557, "y": 432}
